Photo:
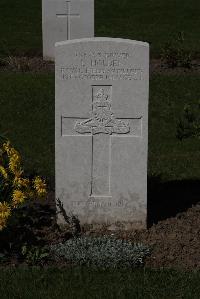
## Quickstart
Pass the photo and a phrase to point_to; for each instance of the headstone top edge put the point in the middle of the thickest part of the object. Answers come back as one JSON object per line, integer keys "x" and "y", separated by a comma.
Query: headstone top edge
{"x": 102, "y": 39}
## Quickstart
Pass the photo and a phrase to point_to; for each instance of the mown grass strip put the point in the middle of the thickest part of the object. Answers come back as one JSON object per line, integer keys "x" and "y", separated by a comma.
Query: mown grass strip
{"x": 87, "y": 283}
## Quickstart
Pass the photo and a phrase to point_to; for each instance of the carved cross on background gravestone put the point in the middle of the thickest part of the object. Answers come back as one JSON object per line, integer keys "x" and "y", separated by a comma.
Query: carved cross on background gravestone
{"x": 102, "y": 127}
{"x": 68, "y": 15}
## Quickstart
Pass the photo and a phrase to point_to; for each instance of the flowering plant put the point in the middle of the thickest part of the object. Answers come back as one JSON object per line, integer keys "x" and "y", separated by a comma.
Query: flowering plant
{"x": 15, "y": 188}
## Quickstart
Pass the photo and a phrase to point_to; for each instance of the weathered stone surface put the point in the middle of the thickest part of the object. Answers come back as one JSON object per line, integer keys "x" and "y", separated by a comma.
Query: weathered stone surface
{"x": 65, "y": 20}
{"x": 102, "y": 130}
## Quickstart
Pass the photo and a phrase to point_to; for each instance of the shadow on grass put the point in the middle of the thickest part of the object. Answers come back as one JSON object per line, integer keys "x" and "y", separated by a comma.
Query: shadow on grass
{"x": 167, "y": 199}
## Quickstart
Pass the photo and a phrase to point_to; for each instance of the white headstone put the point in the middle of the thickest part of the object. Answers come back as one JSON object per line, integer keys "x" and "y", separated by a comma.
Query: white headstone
{"x": 65, "y": 20}
{"x": 102, "y": 130}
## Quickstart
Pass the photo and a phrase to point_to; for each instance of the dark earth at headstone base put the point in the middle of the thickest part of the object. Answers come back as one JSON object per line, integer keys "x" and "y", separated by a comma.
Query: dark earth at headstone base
{"x": 175, "y": 241}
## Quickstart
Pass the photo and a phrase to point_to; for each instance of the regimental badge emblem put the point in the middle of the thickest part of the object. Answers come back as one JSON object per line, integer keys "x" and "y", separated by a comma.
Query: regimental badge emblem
{"x": 102, "y": 119}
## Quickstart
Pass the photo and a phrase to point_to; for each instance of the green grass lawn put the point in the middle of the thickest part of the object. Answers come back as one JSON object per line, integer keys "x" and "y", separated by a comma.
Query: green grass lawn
{"x": 27, "y": 119}
{"x": 82, "y": 283}
{"x": 155, "y": 21}
{"x": 173, "y": 159}
{"x": 20, "y": 27}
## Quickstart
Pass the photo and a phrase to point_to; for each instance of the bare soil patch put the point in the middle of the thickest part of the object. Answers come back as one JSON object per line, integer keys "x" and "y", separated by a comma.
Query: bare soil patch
{"x": 26, "y": 64}
{"x": 175, "y": 241}
{"x": 157, "y": 66}
{"x": 37, "y": 64}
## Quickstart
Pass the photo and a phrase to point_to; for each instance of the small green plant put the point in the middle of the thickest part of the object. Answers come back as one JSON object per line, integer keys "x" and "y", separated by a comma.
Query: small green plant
{"x": 35, "y": 255}
{"x": 174, "y": 55}
{"x": 189, "y": 123}
{"x": 103, "y": 252}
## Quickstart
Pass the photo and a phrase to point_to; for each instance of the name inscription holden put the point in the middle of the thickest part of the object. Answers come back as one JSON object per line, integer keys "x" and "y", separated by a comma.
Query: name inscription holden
{"x": 101, "y": 66}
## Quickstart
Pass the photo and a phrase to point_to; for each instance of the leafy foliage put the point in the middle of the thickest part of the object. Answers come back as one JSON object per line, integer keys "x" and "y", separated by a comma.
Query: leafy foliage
{"x": 103, "y": 252}
{"x": 35, "y": 255}
{"x": 189, "y": 123}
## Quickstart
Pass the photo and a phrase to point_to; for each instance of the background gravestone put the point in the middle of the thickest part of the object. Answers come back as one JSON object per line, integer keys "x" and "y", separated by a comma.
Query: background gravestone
{"x": 102, "y": 130}
{"x": 64, "y": 20}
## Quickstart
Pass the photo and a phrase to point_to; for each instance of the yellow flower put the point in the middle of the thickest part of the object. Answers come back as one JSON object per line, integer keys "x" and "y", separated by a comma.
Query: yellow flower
{"x": 40, "y": 186}
{"x": 13, "y": 155}
{"x": 18, "y": 173}
{"x": 18, "y": 197}
{"x": 5, "y": 210}
{"x": 3, "y": 172}
{"x": 6, "y": 147}
{"x": 14, "y": 162}
{"x": 19, "y": 182}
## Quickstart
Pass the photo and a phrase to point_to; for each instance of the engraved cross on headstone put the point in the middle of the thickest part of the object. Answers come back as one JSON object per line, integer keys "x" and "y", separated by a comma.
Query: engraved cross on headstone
{"x": 102, "y": 127}
{"x": 68, "y": 15}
